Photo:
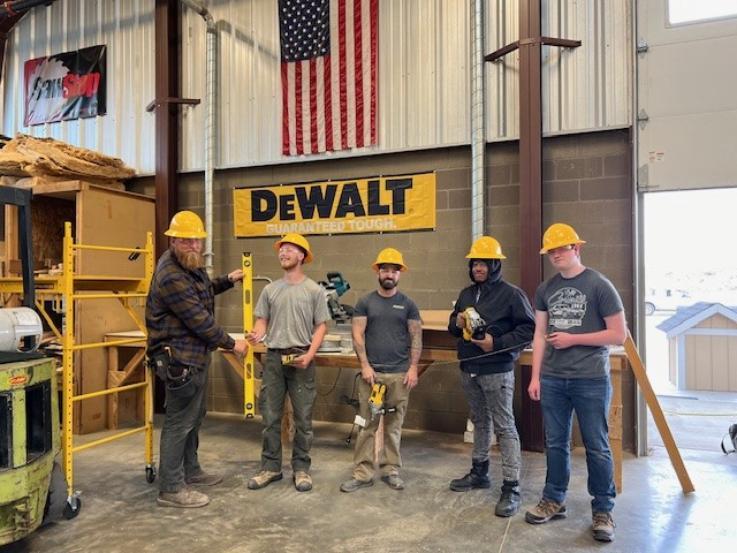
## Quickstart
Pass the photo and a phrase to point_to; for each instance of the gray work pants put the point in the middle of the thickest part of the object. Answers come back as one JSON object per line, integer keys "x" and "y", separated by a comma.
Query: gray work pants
{"x": 490, "y": 397}
{"x": 186, "y": 406}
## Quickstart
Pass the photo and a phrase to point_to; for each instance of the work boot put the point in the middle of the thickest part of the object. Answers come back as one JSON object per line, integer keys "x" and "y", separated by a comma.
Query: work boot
{"x": 544, "y": 511}
{"x": 509, "y": 501}
{"x": 263, "y": 479}
{"x": 477, "y": 478}
{"x": 603, "y": 527}
{"x": 354, "y": 484}
{"x": 393, "y": 481}
{"x": 186, "y": 498}
{"x": 203, "y": 479}
{"x": 302, "y": 481}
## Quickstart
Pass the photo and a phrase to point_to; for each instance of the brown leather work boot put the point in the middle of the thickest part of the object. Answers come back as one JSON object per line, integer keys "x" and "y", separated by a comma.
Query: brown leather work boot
{"x": 544, "y": 511}
{"x": 204, "y": 479}
{"x": 186, "y": 498}
{"x": 603, "y": 527}
{"x": 302, "y": 481}
{"x": 263, "y": 479}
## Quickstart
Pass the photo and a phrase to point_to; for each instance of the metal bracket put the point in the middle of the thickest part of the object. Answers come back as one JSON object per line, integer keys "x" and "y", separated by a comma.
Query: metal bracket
{"x": 642, "y": 46}
{"x": 642, "y": 118}
{"x": 153, "y": 104}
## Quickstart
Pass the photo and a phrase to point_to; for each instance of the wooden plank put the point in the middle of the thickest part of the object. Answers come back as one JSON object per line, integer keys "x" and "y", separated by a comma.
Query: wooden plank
{"x": 720, "y": 363}
{"x": 107, "y": 218}
{"x": 732, "y": 353}
{"x": 638, "y": 368}
{"x": 691, "y": 362}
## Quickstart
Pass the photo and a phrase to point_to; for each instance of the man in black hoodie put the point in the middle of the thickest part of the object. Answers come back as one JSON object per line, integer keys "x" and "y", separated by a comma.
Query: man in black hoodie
{"x": 487, "y": 365}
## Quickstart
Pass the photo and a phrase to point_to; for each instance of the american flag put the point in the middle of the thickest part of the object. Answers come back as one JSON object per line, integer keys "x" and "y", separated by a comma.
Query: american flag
{"x": 329, "y": 57}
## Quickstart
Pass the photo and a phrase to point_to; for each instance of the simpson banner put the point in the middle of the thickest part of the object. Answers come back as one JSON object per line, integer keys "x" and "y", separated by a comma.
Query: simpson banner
{"x": 374, "y": 204}
{"x": 65, "y": 86}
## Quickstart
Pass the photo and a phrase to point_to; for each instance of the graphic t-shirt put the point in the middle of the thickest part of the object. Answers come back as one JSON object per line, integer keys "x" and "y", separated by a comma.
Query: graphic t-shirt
{"x": 577, "y": 305}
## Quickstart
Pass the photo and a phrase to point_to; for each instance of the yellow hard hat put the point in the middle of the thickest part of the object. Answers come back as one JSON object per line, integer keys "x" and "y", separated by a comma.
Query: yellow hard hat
{"x": 557, "y": 235}
{"x": 297, "y": 240}
{"x": 486, "y": 247}
{"x": 391, "y": 256}
{"x": 186, "y": 224}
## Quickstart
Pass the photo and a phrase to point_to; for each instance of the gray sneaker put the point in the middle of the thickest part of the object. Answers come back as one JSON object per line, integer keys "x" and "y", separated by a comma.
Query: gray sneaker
{"x": 393, "y": 481}
{"x": 204, "y": 479}
{"x": 354, "y": 484}
{"x": 603, "y": 527}
{"x": 544, "y": 511}
{"x": 186, "y": 498}
{"x": 263, "y": 479}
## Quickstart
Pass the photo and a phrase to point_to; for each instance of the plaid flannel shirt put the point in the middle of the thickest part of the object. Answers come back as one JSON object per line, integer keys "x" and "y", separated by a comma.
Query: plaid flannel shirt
{"x": 180, "y": 313}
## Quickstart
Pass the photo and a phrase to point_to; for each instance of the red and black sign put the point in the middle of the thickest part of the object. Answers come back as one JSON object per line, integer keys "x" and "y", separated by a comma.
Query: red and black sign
{"x": 65, "y": 86}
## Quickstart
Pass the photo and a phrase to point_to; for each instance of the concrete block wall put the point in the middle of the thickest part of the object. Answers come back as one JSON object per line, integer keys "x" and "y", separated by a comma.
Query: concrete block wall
{"x": 587, "y": 183}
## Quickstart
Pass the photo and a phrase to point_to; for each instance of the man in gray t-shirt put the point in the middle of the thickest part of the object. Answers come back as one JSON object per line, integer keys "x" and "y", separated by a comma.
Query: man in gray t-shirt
{"x": 387, "y": 337}
{"x": 291, "y": 316}
{"x": 578, "y": 315}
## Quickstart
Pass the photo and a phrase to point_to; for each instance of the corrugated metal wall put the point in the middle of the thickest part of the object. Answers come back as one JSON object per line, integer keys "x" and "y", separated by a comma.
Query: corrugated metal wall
{"x": 423, "y": 76}
{"x": 127, "y": 27}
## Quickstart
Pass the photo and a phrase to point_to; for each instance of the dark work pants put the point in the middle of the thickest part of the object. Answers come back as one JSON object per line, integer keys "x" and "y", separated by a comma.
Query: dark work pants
{"x": 185, "y": 408}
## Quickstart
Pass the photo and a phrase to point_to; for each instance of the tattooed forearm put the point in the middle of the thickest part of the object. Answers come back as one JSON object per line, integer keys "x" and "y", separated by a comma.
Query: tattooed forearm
{"x": 415, "y": 333}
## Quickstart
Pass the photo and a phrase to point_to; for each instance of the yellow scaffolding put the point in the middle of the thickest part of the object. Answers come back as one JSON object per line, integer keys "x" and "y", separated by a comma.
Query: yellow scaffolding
{"x": 68, "y": 288}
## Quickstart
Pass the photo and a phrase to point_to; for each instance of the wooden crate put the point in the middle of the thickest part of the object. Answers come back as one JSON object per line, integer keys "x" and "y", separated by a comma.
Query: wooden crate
{"x": 103, "y": 216}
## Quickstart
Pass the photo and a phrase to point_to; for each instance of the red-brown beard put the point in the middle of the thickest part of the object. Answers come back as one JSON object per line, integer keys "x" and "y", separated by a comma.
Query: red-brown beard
{"x": 190, "y": 260}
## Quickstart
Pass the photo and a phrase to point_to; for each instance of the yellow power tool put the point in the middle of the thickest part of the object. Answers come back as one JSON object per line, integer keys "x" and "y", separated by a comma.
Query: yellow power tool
{"x": 475, "y": 326}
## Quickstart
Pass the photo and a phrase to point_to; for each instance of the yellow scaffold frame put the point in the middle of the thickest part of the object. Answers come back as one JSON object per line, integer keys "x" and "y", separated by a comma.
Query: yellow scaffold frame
{"x": 70, "y": 287}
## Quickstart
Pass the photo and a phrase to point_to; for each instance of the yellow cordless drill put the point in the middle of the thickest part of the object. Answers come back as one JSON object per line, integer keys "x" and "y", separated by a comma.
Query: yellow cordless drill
{"x": 377, "y": 399}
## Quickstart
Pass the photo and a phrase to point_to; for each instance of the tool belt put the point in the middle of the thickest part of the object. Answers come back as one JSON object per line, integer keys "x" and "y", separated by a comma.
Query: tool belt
{"x": 172, "y": 373}
{"x": 288, "y": 355}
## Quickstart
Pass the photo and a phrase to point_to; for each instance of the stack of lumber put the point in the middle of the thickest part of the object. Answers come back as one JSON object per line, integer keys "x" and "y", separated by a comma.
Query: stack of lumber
{"x": 28, "y": 156}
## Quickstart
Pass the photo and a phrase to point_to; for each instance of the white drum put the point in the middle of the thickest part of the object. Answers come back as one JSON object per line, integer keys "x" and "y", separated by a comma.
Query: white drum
{"x": 15, "y": 324}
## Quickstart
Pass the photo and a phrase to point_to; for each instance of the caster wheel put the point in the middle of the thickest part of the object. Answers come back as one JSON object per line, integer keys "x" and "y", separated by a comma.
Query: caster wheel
{"x": 150, "y": 475}
{"x": 71, "y": 509}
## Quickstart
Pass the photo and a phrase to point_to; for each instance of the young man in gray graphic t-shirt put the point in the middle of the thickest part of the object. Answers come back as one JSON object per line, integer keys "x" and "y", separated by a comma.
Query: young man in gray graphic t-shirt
{"x": 578, "y": 314}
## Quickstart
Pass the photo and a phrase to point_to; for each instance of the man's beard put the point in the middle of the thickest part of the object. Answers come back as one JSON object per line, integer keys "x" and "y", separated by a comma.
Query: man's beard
{"x": 387, "y": 283}
{"x": 190, "y": 260}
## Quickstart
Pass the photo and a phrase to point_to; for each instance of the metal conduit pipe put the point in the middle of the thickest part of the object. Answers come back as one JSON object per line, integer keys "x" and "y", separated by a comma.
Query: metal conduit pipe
{"x": 210, "y": 129}
{"x": 18, "y": 6}
{"x": 478, "y": 127}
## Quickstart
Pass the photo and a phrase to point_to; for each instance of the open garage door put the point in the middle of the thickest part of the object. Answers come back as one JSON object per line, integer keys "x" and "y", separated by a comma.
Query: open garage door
{"x": 687, "y": 94}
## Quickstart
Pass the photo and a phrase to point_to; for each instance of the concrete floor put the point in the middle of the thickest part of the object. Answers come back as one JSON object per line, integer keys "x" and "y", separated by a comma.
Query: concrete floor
{"x": 119, "y": 513}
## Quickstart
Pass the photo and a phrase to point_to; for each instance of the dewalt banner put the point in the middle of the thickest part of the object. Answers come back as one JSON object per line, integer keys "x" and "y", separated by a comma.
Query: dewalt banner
{"x": 374, "y": 204}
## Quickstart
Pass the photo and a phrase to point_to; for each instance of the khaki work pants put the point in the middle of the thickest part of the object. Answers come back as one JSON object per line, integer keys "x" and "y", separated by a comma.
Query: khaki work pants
{"x": 397, "y": 395}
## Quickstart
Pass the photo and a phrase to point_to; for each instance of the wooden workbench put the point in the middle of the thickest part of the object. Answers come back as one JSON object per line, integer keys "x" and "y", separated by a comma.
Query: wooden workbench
{"x": 439, "y": 348}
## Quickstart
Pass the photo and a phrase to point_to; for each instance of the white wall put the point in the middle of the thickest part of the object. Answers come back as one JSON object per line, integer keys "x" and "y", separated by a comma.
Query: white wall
{"x": 423, "y": 74}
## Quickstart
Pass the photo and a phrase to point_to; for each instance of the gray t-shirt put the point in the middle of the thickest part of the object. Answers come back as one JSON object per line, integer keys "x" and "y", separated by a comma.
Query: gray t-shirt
{"x": 292, "y": 310}
{"x": 577, "y": 305}
{"x": 387, "y": 336}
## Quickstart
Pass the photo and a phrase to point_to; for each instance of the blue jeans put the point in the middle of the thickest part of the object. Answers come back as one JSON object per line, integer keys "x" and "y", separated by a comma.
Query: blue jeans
{"x": 590, "y": 398}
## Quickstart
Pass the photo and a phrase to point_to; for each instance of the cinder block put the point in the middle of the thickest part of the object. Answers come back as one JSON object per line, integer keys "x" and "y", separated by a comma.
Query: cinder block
{"x": 459, "y": 199}
{"x": 560, "y": 191}
{"x": 606, "y": 188}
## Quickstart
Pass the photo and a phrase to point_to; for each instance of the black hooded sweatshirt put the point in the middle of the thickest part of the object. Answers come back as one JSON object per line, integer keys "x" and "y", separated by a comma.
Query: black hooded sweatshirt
{"x": 508, "y": 315}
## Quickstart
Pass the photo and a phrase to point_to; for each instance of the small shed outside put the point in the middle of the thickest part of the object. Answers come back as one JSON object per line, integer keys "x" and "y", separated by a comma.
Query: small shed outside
{"x": 702, "y": 347}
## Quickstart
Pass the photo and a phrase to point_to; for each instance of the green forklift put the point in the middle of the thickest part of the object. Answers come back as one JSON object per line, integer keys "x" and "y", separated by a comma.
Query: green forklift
{"x": 32, "y": 486}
